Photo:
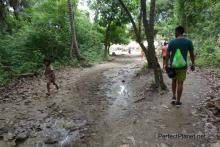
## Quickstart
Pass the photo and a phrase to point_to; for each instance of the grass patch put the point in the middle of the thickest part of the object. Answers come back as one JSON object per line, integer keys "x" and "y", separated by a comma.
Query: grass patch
{"x": 143, "y": 70}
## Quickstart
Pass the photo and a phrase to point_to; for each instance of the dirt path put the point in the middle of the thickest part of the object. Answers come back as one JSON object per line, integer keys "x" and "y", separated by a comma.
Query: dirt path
{"x": 106, "y": 105}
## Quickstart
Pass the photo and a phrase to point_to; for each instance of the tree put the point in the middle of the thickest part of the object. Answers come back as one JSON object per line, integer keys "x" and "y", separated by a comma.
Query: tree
{"x": 138, "y": 31}
{"x": 149, "y": 32}
{"x": 109, "y": 16}
{"x": 74, "y": 49}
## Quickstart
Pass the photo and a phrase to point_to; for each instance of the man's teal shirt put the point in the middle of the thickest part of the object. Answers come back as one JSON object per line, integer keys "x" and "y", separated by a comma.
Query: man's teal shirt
{"x": 185, "y": 45}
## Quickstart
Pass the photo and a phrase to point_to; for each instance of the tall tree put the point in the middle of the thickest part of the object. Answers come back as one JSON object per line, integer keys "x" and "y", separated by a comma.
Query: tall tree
{"x": 74, "y": 49}
{"x": 137, "y": 30}
{"x": 148, "y": 23}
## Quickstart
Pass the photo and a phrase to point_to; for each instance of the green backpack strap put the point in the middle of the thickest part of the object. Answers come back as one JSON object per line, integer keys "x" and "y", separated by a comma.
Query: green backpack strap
{"x": 178, "y": 60}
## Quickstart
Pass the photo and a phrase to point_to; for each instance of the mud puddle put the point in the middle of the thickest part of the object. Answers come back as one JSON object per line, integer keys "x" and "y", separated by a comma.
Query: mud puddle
{"x": 118, "y": 89}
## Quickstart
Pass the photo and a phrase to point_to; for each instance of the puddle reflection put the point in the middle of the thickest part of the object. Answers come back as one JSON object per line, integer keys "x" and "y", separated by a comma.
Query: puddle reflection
{"x": 123, "y": 90}
{"x": 120, "y": 95}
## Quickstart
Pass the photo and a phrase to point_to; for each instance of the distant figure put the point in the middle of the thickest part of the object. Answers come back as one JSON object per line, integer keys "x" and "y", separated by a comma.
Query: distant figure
{"x": 113, "y": 54}
{"x": 50, "y": 75}
{"x": 177, "y": 54}
{"x": 164, "y": 53}
{"x": 142, "y": 54}
{"x": 129, "y": 51}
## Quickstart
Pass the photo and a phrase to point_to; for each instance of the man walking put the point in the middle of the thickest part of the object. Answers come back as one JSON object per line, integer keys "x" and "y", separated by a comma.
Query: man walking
{"x": 177, "y": 55}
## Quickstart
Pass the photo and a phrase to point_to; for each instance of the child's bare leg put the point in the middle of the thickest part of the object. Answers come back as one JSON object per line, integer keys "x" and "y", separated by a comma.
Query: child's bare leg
{"x": 55, "y": 85}
{"x": 48, "y": 88}
{"x": 163, "y": 63}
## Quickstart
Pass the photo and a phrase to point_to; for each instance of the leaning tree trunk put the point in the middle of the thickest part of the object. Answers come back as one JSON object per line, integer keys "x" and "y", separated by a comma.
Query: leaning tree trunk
{"x": 149, "y": 32}
{"x": 74, "y": 49}
{"x": 137, "y": 34}
{"x": 140, "y": 41}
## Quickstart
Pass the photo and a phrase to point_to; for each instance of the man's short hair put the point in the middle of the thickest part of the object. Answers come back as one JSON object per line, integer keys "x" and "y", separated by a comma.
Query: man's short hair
{"x": 180, "y": 29}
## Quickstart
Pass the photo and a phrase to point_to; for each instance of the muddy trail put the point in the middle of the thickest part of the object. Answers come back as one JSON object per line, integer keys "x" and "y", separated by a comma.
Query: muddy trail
{"x": 110, "y": 105}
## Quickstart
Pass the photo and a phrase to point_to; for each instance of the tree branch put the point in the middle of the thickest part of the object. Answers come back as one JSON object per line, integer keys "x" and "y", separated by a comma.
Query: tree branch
{"x": 132, "y": 20}
{"x": 140, "y": 20}
{"x": 145, "y": 21}
{"x": 152, "y": 15}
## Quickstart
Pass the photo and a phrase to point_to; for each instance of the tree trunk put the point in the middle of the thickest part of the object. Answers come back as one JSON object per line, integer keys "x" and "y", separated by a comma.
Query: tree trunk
{"x": 146, "y": 52}
{"x": 137, "y": 33}
{"x": 74, "y": 49}
{"x": 149, "y": 32}
{"x": 109, "y": 49}
{"x": 2, "y": 13}
{"x": 107, "y": 30}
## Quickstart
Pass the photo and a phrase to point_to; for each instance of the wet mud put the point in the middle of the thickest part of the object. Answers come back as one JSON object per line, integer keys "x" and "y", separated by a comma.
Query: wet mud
{"x": 107, "y": 105}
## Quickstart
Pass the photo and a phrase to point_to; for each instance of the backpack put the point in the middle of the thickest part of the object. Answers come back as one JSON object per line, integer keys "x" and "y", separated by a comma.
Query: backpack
{"x": 178, "y": 60}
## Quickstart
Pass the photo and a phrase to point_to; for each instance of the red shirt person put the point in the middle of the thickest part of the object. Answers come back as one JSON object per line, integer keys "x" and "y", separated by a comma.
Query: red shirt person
{"x": 164, "y": 52}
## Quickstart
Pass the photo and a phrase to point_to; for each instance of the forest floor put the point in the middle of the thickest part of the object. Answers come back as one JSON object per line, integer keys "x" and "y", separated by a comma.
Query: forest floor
{"x": 110, "y": 105}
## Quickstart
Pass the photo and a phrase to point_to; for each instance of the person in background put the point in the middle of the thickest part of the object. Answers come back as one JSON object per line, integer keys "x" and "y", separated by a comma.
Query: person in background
{"x": 142, "y": 54}
{"x": 49, "y": 74}
{"x": 129, "y": 51}
{"x": 164, "y": 53}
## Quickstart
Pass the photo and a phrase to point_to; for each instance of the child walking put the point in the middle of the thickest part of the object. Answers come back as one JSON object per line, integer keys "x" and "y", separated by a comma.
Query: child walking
{"x": 49, "y": 74}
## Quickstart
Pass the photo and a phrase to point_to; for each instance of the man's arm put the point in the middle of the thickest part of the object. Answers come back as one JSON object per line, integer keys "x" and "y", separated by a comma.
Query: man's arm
{"x": 192, "y": 57}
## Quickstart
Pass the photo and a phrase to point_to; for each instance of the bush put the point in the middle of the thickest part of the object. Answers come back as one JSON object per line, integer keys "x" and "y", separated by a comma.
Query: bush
{"x": 209, "y": 55}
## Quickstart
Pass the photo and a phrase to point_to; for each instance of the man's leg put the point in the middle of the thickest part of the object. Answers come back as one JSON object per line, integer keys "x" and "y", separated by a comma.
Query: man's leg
{"x": 174, "y": 85}
{"x": 180, "y": 77}
{"x": 179, "y": 90}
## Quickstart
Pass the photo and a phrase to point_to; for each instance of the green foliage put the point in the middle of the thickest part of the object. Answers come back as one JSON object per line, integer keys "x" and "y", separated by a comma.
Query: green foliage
{"x": 164, "y": 10}
{"x": 89, "y": 38}
{"x": 206, "y": 34}
{"x": 44, "y": 32}
{"x": 209, "y": 54}
{"x": 196, "y": 16}
{"x": 113, "y": 21}
{"x": 119, "y": 34}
